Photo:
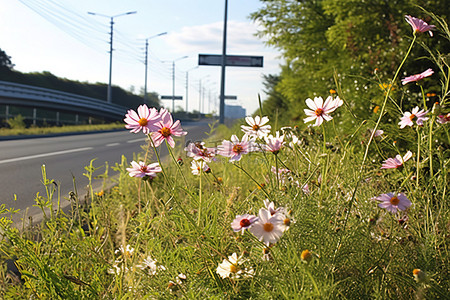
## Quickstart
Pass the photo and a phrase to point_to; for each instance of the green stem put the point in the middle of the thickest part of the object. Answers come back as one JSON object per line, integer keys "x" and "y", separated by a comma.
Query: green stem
{"x": 383, "y": 108}
{"x": 423, "y": 97}
{"x": 418, "y": 157}
{"x": 159, "y": 160}
{"x": 176, "y": 163}
{"x": 366, "y": 153}
{"x": 200, "y": 198}
{"x": 246, "y": 173}
{"x": 276, "y": 169}
{"x": 430, "y": 145}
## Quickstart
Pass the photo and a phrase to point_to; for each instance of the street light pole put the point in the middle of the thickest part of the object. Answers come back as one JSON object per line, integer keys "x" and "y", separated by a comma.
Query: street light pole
{"x": 146, "y": 63}
{"x": 109, "y": 92}
{"x": 187, "y": 87}
{"x": 200, "y": 96}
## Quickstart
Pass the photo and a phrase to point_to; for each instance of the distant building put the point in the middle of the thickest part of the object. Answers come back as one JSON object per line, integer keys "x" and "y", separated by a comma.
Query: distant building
{"x": 234, "y": 111}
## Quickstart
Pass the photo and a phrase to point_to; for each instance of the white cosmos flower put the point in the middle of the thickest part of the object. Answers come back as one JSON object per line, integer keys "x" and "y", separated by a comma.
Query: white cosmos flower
{"x": 269, "y": 228}
{"x": 151, "y": 265}
{"x": 199, "y": 166}
{"x": 319, "y": 110}
{"x": 231, "y": 267}
{"x": 257, "y": 129}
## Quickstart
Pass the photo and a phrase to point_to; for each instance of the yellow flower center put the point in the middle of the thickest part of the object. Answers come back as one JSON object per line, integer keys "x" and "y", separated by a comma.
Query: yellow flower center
{"x": 318, "y": 112}
{"x": 416, "y": 271}
{"x": 143, "y": 122}
{"x": 394, "y": 200}
{"x": 233, "y": 268}
{"x": 412, "y": 116}
{"x": 268, "y": 227}
{"x": 237, "y": 149}
{"x": 165, "y": 132}
{"x": 255, "y": 127}
{"x": 287, "y": 222}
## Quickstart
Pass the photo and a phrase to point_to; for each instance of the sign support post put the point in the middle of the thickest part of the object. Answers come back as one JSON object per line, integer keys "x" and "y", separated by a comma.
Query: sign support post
{"x": 224, "y": 60}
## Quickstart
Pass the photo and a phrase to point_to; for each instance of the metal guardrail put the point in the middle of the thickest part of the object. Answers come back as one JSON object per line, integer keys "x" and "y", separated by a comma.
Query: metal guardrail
{"x": 31, "y": 96}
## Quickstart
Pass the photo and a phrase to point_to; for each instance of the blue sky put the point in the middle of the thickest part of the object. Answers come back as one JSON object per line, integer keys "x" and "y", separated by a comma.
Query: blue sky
{"x": 60, "y": 37}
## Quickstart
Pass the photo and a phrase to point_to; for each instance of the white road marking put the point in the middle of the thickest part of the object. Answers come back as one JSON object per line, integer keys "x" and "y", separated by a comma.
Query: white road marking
{"x": 44, "y": 155}
{"x": 112, "y": 144}
{"x": 136, "y": 140}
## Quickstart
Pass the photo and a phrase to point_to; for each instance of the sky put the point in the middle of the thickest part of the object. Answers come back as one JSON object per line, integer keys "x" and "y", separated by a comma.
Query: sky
{"x": 59, "y": 36}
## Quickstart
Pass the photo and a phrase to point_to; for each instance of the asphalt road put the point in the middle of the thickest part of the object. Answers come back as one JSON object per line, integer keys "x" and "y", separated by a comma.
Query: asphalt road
{"x": 64, "y": 158}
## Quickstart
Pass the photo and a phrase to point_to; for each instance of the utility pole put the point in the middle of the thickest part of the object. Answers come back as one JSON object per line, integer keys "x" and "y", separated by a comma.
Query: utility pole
{"x": 146, "y": 63}
{"x": 173, "y": 80}
{"x": 109, "y": 92}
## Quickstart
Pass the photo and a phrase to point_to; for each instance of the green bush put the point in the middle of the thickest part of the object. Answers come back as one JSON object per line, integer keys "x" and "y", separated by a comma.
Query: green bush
{"x": 17, "y": 122}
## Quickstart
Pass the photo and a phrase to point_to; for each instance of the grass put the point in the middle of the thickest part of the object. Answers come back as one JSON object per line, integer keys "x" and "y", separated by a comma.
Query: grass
{"x": 167, "y": 237}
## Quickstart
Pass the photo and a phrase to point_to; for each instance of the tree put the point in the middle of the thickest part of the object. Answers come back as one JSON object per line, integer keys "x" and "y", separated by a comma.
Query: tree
{"x": 275, "y": 101}
{"x": 346, "y": 39}
{"x": 5, "y": 61}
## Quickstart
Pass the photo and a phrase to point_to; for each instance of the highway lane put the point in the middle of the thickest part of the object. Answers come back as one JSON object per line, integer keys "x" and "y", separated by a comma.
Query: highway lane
{"x": 64, "y": 158}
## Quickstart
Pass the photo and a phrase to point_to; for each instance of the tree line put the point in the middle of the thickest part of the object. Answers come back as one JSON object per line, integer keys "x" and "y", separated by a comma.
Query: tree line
{"x": 94, "y": 90}
{"x": 351, "y": 47}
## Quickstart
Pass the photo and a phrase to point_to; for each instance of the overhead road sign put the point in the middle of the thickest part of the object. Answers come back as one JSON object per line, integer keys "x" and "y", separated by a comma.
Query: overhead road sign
{"x": 231, "y": 60}
{"x": 171, "y": 97}
{"x": 230, "y": 97}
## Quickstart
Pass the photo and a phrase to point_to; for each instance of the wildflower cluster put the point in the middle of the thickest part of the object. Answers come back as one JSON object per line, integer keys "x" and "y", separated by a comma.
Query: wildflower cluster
{"x": 159, "y": 126}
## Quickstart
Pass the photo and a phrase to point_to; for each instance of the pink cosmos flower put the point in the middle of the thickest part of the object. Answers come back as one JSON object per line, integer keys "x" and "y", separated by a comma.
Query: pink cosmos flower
{"x": 408, "y": 117}
{"x": 397, "y": 162}
{"x": 305, "y": 189}
{"x": 442, "y": 119}
{"x": 144, "y": 119}
{"x": 377, "y": 133}
{"x": 257, "y": 129}
{"x": 198, "y": 151}
{"x": 142, "y": 170}
{"x": 283, "y": 174}
{"x": 199, "y": 166}
{"x": 235, "y": 148}
{"x": 281, "y": 171}
{"x": 419, "y": 25}
{"x": 166, "y": 129}
{"x": 319, "y": 111}
{"x": 274, "y": 143}
{"x": 242, "y": 222}
{"x": 393, "y": 202}
{"x": 417, "y": 77}
{"x": 269, "y": 228}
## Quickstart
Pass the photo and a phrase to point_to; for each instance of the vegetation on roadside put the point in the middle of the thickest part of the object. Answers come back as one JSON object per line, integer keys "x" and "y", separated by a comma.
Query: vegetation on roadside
{"x": 18, "y": 128}
{"x": 325, "y": 211}
{"x": 357, "y": 44}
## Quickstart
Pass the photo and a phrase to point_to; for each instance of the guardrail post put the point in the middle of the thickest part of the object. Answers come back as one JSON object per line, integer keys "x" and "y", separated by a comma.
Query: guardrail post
{"x": 7, "y": 112}
{"x": 76, "y": 119}
{"x": 34, "y": 116}
{"x": 57, "y": 118}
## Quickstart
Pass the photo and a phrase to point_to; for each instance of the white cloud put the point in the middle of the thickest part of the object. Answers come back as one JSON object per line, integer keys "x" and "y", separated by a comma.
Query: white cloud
{"x": 207, "y": 38}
